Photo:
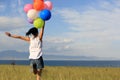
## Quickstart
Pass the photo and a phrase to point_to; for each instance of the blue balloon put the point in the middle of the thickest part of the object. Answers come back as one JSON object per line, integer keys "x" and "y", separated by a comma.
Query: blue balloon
{"x": 45, "y": 14}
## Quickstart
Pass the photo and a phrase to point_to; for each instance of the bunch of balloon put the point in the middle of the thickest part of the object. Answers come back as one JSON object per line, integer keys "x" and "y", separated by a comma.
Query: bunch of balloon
{"x": 38, "y": 12}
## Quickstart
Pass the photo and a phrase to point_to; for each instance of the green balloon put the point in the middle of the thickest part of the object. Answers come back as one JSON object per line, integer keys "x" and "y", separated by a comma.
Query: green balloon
{"x": 38, "y": 23}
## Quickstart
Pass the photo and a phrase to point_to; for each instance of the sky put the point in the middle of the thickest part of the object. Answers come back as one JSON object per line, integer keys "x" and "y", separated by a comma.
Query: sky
{"x": 76, "y": 27}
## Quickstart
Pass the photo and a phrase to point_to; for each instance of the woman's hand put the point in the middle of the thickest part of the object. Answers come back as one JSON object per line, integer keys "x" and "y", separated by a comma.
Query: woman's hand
{"x": 8, "y": 34}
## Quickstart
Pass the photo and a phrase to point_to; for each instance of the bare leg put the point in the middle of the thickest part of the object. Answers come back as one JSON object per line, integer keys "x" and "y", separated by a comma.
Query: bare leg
{"x": 39, "y": 74}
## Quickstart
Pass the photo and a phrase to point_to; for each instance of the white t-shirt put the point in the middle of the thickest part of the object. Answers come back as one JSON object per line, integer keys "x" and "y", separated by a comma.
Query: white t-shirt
{"x": 35, "y": 48}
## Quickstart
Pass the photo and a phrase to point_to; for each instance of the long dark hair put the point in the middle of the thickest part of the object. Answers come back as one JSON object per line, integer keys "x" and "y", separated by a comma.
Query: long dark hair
{"x": 33, "y": 31}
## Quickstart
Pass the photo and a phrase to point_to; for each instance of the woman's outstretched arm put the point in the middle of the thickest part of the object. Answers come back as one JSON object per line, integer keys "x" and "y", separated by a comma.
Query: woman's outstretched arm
{"x": 17, "y": 36}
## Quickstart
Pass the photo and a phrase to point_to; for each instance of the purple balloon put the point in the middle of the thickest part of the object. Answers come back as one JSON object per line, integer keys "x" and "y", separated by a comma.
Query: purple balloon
{"x": 30, "y": 21}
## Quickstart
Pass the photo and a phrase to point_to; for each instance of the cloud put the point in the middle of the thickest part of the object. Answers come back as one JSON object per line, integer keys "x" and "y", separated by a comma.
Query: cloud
{"x": 94, "y": 29}
{"x": 9, "y": 23}
{"x": 93, "y": 25}
{"x": 58, "y": 40}
{"x": 101, "y": 22}
{"x": 57, "y": 45}
{"x": 12, "y": 16}
{"x": 91, "y": 19}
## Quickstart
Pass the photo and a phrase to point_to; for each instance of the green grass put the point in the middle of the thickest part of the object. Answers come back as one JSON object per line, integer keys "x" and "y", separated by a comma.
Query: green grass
{"x": 10, "y": 72}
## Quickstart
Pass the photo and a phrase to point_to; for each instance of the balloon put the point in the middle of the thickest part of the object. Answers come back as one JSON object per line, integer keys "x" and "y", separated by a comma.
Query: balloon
{"x": 37, "y": 0}
{"x": 45, "y": 14}
{"x": 38, "y": 5}
{"x": 48, "y": 5}
{"x": 32, "y": 14}
{"x": 30, "y": 21}
{"x": 27, "y": 7}
{"x": 38, "y": 23}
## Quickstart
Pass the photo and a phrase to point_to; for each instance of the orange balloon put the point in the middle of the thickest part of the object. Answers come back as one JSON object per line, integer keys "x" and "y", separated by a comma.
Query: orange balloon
{"x": 39, "y": 5}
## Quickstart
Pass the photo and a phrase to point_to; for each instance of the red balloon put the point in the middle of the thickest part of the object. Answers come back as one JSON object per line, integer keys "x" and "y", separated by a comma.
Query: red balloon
{"x": 37, "y": 0}
{"x": 38, "y": 5}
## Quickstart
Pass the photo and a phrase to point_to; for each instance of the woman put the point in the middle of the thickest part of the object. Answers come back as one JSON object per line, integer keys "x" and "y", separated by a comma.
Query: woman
{"x": 35, "y": 49}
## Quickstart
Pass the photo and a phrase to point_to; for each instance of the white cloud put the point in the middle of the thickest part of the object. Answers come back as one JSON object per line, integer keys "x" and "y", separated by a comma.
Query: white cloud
{"x": 91, "y": 19}
{"x": 12, "y": 16}
{"x": 95, "y": 30}
{"x": 9, "y": 23}
{"x": 57, "y": 45}
{"x": 58, "y": 40}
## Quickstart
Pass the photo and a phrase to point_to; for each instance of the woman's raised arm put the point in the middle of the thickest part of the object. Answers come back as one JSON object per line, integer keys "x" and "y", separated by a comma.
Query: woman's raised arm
{"x": 41, "y": 32}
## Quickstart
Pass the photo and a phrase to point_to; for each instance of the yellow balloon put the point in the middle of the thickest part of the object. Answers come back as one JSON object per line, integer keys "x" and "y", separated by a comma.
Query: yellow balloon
{"x": 38, "y": 23}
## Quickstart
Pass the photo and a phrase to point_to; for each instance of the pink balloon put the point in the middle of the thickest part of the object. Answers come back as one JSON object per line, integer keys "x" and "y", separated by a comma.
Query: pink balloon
{"x": 27, "y": 7}
{"x": 48, "y": 5}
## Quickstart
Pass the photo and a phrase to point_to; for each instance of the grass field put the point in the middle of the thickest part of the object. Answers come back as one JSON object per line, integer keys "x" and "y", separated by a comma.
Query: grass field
{"x": 10, "y": 72}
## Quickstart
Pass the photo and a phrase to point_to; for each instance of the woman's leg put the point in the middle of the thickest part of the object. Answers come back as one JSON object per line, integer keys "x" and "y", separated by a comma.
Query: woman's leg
{"x": 39, "y": 73}
{"x": 34, "y": 69}
{"x": 40, "y": 66}
{"x": 33, "y": 66}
